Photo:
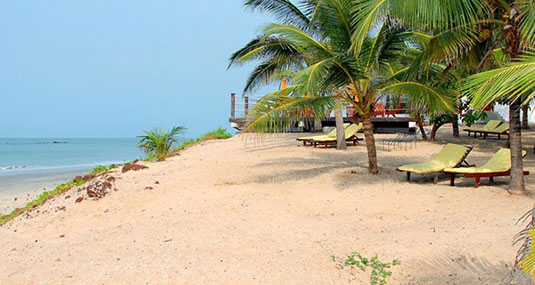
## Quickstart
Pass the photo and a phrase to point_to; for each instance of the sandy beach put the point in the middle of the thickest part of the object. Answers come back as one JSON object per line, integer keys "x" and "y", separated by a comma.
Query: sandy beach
{"x": 265, "y": 210}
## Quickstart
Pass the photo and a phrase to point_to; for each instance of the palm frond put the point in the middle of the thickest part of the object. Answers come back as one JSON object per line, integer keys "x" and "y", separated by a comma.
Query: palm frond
{"x": 511, "y": 82}
{"x": 159, "y": 142}
{"x": 526, "y": 18}
{"x": 287, "y": 112}
{"x": 308, "y": 44}
{"x": 434, "y": 99}
{"x": 284, "y": 10}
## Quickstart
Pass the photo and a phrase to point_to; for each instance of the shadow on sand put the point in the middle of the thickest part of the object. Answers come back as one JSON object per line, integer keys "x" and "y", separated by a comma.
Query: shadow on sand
{"x": 465, "y": 270}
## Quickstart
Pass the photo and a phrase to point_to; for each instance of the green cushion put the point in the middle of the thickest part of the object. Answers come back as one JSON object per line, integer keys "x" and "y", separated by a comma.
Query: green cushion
{"x": 450, "y": 156}
{"x": 500, "y": 162}
{"x": 348, "y": 133}
{"x": 501, "y": 129}
{"x": 332, "y": 134}
{"x": 491, "y": 125}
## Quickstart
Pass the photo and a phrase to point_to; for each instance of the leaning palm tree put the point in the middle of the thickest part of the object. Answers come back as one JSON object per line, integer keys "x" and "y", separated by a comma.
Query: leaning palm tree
{"x": 344, "y": 57}
{"x": 477, "y": 35}
{"x": 158, "y": 143}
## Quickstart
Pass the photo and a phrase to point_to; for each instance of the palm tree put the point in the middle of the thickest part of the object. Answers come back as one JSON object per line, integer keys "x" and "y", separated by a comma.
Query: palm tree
{"x": 470, "y": 34}
{"x": 343, "y": 55}
{"x": 158, "y": 143}
{"x": 516, "y": 83}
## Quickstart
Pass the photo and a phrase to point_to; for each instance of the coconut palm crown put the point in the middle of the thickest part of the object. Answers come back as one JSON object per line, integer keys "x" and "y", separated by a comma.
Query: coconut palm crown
{"x": 339, "y": 55}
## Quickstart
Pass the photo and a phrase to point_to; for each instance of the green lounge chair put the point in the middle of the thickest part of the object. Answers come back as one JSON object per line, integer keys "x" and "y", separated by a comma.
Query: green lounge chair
{"x": 451, "y": 155}
{"x": 498, "y": 165}
{"x": 350, "y": 135}
{"x": 502, "y": 130}
{"x": 332, "y": 134}
{"x": 492, "y": 124}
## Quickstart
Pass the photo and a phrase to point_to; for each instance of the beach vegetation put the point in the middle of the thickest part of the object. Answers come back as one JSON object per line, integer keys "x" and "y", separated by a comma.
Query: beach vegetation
{"x": 158, "y": 143}
{"x": 525, "y": 258}
{"x": 41, "y": 199}
{"x": 101, "y": 169}
{"x": 379, "y": 271}
{"x": 217, "y": 134}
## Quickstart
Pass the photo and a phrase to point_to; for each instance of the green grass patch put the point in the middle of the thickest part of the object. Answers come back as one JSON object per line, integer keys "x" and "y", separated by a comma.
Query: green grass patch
{"x": 101, "y": 169}
{"x": 217, "y": 134}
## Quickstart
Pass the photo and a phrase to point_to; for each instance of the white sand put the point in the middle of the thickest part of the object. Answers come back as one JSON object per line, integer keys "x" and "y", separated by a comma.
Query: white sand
{"x": 247, "y": 212}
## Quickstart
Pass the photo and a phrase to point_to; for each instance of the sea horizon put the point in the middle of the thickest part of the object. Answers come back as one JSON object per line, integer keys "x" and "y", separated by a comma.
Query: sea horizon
{"x": 55, "y": 154}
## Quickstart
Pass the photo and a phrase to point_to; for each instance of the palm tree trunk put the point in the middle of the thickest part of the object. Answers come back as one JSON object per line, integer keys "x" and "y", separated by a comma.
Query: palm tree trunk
{"x": 340, "y": 135}
{"x": 420, "y": 122}
{"x": 434, "y": 131}
{"x": 370, "y": 145}
{"x": 317, "y": 125}
{"x": 455, "y": 124}
{"x": 516, "y": 185}
{"x": 525, "y": 120}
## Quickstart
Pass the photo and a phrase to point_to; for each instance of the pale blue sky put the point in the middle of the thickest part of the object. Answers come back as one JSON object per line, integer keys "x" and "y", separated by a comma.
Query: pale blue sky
{"x": 110, "y": 68}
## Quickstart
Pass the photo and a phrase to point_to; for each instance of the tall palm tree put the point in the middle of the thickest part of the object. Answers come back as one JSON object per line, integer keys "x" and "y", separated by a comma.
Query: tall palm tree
{"x": 474, "y": 34}
{"x": 344, "y": 56}
{"x": 516, "y": 83}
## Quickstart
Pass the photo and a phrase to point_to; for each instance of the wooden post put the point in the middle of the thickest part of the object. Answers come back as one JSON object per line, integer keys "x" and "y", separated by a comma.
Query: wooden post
{"x": 233, "y": 105}
{"x": 246, "y": 105}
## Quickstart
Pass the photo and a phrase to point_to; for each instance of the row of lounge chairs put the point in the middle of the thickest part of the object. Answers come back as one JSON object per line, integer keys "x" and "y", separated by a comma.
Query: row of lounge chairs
{"x": 350, "y": 135}
{"x": 452, "y": 161}
{"x": 493, "y": 127}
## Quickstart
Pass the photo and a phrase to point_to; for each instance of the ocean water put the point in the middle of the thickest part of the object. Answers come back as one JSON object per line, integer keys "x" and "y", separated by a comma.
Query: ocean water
{"x": 59, "y": 155}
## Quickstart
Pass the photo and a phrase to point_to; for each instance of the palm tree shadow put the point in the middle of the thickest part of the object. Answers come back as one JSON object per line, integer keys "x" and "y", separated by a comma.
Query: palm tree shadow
{"x": 351, "y": 169}
{"x": 465, "y": 270}
{"x": 299, "y": 168}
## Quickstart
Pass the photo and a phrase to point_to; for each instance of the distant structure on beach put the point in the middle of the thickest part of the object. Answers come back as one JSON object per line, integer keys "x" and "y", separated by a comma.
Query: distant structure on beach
{"x": 390, "y": 116}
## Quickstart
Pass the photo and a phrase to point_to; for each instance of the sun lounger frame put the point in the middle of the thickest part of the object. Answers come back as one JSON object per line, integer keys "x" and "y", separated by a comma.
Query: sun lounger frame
{"x": 326, "y": 144}
{"x": 485, "y": 134}
{"x": 478, "y": 176}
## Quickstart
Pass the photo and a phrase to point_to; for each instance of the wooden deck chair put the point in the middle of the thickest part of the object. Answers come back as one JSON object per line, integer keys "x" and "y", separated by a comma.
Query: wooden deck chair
{"x": 498, "y": 165}
{"x": 502, "y": 130}
{"x": 332, "y": 134}
{"x": 492, "y": 124}
{"x": 350, "y": 135}
{"x": 452, "y": 155}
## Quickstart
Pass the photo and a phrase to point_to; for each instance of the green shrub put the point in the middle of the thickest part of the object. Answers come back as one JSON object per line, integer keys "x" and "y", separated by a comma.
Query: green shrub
{"x": 98, "y": 169}
{"x": 101, "y": 169}
{"x": 217, "y": 134}
{"x": 159, "y": 142}
{"x": 380, "y": 271}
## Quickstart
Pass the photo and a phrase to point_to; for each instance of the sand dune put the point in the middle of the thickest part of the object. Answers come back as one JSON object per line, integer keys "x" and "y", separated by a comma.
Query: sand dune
{"x": 268, "y": 211}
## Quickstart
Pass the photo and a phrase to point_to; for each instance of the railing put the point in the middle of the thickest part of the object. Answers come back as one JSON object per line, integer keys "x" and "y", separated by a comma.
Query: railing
{"x": 240, "y": 110}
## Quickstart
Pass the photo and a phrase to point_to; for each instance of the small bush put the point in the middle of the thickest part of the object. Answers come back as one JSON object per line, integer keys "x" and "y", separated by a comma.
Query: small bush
{"x": 158, "y": 143}
{"x": 98, "y": 169}
{"x": 380, "y": 271}
{"x": 217, "y": 134}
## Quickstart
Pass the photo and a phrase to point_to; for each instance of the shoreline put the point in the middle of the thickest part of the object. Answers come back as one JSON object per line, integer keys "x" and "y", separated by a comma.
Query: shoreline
{"x": 17, "y": 190}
